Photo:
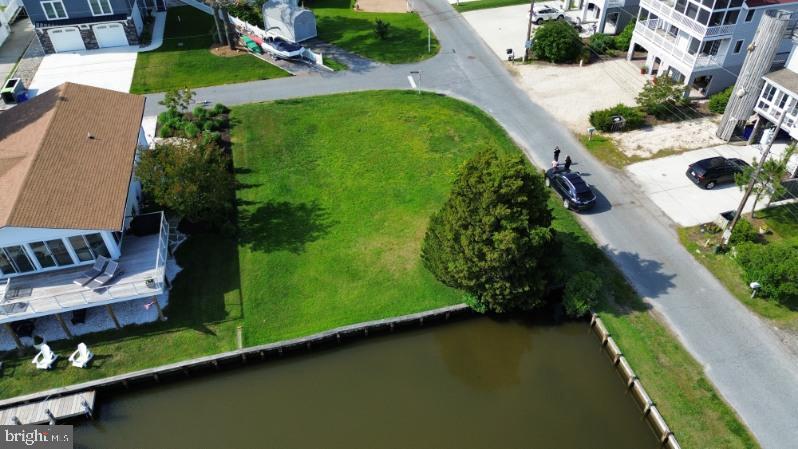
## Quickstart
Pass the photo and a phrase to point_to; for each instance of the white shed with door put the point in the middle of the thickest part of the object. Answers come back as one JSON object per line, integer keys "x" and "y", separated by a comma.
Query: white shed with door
{"x": 66, "y": 39}
{"x": 110, "y": 35}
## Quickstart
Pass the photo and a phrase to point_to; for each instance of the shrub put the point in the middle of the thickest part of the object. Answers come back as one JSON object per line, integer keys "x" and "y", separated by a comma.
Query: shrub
{"x": 602, "y": 119}
{"x": 581, "y": 293}
{"x": 774, "y": 266}
{"x": 663, "y": 98}
{"x": 166, "y": 131}
{"x": 623, "y": 40}
{"x": 219, "y": 109}
{"x": 602, "y": 43}
{"x": 210, "y": 125}
{"x": 493, "y": 238}
{"x": 247, "y": 12}
{"x": 381, "y": 29}
{"x": 743, "y": 232}
{"x": 557, "y": 41}
{"x": 200, "y": 113}
{"x": 191, "y": 130}
{"x": 718, "y": 102}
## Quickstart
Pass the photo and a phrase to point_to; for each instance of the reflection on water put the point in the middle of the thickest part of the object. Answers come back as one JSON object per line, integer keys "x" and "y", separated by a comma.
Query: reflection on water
{"x": 471, "y": 384}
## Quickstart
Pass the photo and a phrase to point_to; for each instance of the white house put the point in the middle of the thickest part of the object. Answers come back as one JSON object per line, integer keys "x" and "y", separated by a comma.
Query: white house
{"x": 779, "y": 96}
{"x": 69, "y": 196}
{"x": 610, "y": 16}
{"x": 701, "y": 42}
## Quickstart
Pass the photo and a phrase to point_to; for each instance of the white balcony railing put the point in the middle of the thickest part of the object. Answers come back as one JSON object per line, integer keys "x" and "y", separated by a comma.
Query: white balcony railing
{"x": 665, "y": 10}
{"x": 654, "y": 31}
{"x": 10, "y": 10}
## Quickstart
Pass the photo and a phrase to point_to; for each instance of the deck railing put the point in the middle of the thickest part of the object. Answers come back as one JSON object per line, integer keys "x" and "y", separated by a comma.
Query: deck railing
{"x": 80, "y": 298}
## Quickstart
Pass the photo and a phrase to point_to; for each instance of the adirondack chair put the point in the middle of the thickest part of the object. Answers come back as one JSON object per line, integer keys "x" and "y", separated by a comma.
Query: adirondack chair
{"x": 45, "y": 358}
{"x": 81, "y": 357}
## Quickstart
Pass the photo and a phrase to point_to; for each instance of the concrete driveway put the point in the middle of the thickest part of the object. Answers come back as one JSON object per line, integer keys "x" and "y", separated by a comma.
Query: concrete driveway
{"x": 665, "y": 183}
{"x": 110, "y": 68}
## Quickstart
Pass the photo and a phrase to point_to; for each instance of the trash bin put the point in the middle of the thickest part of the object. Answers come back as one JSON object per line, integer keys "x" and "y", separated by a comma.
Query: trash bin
{"x": 11, "y": 90}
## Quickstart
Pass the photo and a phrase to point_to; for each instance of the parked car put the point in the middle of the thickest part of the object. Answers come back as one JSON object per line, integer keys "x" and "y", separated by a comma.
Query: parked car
{"x": 707, "y": 173}
{"x": 574, "y": 191}
{"x": 543, "y": 13}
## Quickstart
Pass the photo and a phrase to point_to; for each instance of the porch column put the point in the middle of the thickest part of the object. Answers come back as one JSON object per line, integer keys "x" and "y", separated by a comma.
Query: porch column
{"x": 111, "y": 244}
{"x": 631, "y": 52}
{"x": 756, "y": 131}
{"x": 161, "y": 316}
{"x": 113, "y": 317}
{"x": 14, "y": 336}
{"x": 63, "y": 325}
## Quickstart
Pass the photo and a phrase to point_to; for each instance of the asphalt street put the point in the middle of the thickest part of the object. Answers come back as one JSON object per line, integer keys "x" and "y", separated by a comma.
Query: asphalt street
{"x": 744, "y": 358}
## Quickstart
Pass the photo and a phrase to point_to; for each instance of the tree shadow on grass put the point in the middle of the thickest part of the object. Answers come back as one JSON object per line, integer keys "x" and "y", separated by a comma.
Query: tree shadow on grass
{"x": 283, "y": 226}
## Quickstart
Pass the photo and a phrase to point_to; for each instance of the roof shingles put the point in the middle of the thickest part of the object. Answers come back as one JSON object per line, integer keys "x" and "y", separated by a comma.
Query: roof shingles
{"x": 66, "y": 158}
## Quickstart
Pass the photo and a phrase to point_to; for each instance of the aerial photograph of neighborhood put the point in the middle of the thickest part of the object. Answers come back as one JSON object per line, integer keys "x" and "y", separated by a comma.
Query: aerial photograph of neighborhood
{"x": 399, "y": 224}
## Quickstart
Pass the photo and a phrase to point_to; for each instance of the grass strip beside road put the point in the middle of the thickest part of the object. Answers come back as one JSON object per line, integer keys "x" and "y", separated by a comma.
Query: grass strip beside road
{"x": 486, "y": 4}
{"x": 185, "y": 60}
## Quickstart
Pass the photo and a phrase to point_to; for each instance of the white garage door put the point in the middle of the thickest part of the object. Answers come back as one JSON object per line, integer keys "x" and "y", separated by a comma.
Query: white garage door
{"x": 66, "y": 39}
{"x": 110, "y": 35}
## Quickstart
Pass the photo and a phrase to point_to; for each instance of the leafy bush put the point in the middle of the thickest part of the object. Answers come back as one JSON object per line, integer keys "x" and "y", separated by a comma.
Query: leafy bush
{"x": 623, "y": 40}
{"x": 381, "y": 29}
{"x": 191, "y": 130}
{"x": 774, "y": 266}
{"x": 493, "y": 237}
{"x": 219, "y": 109}
{"x": 663, "y": 98}
{"x": 581, "y": 293}
{"x": 718, "y": 102}
{"x": 602, "y": 119}
{"x": 250, "y": 13}
{"x": 200, "y": 113}
{"x": 556, "y": 41}
{"x": 602, "y": 43}
{"x": 743, "y": 232}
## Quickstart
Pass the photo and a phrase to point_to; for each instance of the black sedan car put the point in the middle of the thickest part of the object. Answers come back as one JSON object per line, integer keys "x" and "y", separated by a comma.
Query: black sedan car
{"x": 707, "y": 173}
{"x": 573, "y": 190}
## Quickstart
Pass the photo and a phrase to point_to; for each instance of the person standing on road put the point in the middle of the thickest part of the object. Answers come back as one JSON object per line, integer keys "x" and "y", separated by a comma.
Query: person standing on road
{"x": 567, "y": 163}
{"x": 556, "y": 154}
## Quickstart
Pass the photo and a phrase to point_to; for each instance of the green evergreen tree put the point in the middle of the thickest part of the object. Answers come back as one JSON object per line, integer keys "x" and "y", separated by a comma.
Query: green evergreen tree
{"x": 493, "y": 237}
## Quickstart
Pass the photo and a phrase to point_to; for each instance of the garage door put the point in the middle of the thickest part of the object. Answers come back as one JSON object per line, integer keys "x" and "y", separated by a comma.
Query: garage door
{"x": 66, "y": 39}
{"x": 110, "y": 35}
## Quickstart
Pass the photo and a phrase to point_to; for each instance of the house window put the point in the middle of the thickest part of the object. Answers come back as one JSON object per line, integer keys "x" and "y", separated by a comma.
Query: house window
{"x": 54, "y": 10}
{"x": 18, "y": 259}
{"x": 731, "y": 17}
{"x": 770, "y": 92}
{"x": 716, "y": 19}
{"x": 721, "y": 4}
{"x": 42, "y": 254}
{"x": 703, "y": 16}
{"x": 692, "y": 10}
{"x": 694, "y": 44}
{"x": 735, "y": 3}
{"x": 100, "y": 7}
{"x": 97, "y": 245}
{"x": 680, "y": 4}
{"x": 738, "y": 46}
{"x": 81, "y": 248}
{"x": 51, "y": 253}
{"x": 711, "y": 48}
{"x": 783, "y": 101}
{"x": 750, "y": 15}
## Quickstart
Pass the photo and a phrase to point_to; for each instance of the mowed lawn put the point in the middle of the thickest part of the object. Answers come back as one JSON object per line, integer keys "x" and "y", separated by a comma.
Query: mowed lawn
{"x": 185, "y": 60}
{"x": 335, "y": 199}
{"x": 339, "y": 24}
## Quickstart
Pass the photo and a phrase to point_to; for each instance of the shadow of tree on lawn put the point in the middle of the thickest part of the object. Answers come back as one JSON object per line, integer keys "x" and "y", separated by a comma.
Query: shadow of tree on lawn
{"x": 283, "y": 226}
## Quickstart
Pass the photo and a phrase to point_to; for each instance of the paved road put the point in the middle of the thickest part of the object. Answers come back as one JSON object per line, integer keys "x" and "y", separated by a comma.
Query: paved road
{"x": 742, "y": 356}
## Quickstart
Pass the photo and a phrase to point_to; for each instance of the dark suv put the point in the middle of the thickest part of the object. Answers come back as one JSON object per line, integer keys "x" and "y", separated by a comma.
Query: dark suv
{"x": 707, "y": 173}
{"x": 573, "y": 190}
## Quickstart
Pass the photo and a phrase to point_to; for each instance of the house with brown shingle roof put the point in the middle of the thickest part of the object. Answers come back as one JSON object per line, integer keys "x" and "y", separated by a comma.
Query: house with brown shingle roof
{"x": 70, "y": 201}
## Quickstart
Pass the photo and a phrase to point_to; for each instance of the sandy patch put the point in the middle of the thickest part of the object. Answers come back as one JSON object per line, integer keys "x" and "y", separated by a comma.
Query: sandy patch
{"x": 383, "y": 5}
{"x": 685, "y": 135}
{"x": 225, "y": 52}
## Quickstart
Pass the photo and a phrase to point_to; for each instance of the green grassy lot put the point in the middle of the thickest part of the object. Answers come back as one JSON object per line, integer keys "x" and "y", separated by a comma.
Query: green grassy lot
{"x": 604, "y": 148}
{"x": 335, "y": 193}
{"x": 185, "y": 60}
{"x": 485, "y": 4}
{"x": 783, "y": 225}
{"x": 339, "y": 24}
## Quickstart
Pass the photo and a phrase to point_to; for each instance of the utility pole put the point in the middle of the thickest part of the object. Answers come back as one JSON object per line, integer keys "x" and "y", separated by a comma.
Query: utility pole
{"x": 528, "y": 30}
{"x": 728, "y": 231}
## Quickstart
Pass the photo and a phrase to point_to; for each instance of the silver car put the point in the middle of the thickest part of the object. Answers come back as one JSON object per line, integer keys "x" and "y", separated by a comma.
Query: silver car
{"x": 543, "y": 13}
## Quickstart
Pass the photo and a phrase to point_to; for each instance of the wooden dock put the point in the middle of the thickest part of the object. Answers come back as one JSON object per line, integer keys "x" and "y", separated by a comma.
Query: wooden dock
{"x": 50, "y": 410}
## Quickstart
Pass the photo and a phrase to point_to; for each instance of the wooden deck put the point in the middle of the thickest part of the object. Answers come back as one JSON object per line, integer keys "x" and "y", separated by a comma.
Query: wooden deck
{"x": 60, "y": 408}
{"x": 55, "y": 291}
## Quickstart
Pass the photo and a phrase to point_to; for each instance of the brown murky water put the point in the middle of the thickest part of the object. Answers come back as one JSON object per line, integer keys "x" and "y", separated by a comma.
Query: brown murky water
{"x": 471, "y": 384}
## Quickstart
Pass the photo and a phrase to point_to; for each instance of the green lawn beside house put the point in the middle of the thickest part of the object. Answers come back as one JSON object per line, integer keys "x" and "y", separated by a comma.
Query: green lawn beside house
{"x": 782, "y": 223}
{"x": 486, "y": 4}
{"x": 339, "y": 24}
{"x": 185, "y": 60}
{"x": 334, "y": 197}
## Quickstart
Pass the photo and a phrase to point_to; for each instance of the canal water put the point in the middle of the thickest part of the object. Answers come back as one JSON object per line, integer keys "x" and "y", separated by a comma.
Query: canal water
{"x": 470, "y": 384}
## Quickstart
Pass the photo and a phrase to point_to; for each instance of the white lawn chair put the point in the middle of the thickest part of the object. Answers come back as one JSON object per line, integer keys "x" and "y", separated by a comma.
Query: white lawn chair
{"x": 45, "y": 358}
{"x": 81, "y": 357}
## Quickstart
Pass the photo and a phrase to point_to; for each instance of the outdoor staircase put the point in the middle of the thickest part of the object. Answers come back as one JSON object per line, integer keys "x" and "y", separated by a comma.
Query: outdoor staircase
{"x": 175, "y": 236}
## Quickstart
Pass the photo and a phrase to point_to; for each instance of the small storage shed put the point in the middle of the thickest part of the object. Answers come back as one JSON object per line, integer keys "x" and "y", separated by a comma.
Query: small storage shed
{"x": 288, "y": 20}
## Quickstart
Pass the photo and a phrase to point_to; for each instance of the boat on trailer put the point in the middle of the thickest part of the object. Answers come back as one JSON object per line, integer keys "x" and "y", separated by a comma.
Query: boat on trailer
{"x": 281, "y": 48}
